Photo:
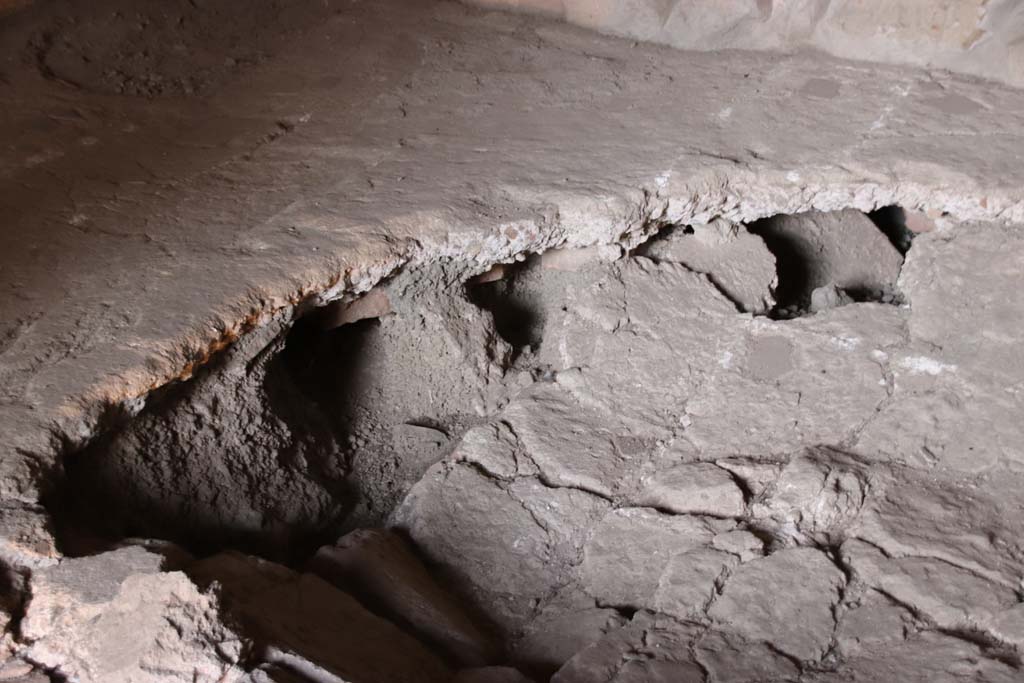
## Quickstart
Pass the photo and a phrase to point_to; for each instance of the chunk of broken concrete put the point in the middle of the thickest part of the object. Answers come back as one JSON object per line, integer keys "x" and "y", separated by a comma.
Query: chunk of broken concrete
{"x": 117, "y": 617}
{"x": 303, "y": 623}
{"x": 373, "y": 304}
{"x": 736, "y": 261}
{"x": 784, "y": 599}
{"x": 693, "y": 488}
{"x": 380, "y": 567}
{"x": 574, "y": 259}
{"x": 826, "y": 297}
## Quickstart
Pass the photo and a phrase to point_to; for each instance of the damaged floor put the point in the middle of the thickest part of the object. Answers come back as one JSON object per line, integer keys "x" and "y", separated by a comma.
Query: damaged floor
{"x": 411, "y": 342}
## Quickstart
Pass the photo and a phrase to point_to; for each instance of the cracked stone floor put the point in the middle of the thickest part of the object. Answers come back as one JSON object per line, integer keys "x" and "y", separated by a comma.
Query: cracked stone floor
{"x": 404, "y": 341}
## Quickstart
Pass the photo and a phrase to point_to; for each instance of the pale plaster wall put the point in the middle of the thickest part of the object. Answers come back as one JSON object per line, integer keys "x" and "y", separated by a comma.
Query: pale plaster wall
{"x": 980, "y": 37}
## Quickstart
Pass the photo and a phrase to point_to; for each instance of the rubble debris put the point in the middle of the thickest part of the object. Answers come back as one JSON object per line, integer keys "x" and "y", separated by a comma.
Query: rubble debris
{"x": 736, "y": 261}
{"x": 379, "y": 566}
{"x": 302, "y": 623}
{"x": 118, "y": 616}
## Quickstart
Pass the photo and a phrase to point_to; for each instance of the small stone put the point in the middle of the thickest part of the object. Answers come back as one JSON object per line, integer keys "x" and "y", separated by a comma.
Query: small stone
{"x": 373, "y": 304}
{"x": 572, "y": 260}
{"x": 698, "y": 488}
{"x": 827, "y": 297}
{"x": 496, "y": 272}
{"x": 729, "y": 657}
{"x": 737, "y": 261}
{"x": 919, "y": 222}
{"x": 117, "y": 616}
{"x": 305, "y": 624}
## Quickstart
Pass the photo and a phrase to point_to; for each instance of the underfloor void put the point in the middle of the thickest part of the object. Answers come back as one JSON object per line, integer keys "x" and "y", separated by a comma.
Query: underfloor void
{"x": 406, "y": 342}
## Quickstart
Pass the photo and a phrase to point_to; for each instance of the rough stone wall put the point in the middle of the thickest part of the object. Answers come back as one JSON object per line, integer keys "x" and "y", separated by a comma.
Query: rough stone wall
{"x": 979, "y": 37}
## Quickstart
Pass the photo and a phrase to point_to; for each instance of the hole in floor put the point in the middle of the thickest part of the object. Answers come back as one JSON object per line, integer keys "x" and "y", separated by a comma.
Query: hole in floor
{"x": 828, "y": 259}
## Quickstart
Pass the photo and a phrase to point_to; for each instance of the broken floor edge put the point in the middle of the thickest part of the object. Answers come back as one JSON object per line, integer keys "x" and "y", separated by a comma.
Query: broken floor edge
{"x": 627, "y": 218}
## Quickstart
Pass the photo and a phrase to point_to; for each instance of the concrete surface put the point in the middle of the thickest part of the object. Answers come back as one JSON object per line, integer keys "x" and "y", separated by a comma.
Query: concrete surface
{"x": 143, "y": 235}
{"x": 177, "y": 176}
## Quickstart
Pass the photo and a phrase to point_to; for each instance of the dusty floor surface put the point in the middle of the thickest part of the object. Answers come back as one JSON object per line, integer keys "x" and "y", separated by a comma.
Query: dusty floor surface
{"x": 706, "y": 421}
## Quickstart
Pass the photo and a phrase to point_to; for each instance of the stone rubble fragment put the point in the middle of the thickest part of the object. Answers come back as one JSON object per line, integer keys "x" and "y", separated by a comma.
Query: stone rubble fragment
{"x": 735, "y": 260}
{"x": 33, "y": 677}
{"x": 698, "y": 488}
{"x": 302, "y": 623}
{"x": 570, "y": 444}
{"x": 16, "y": 669}
{"x": 118, "y": 616}
{"x": 826, "y": 297}
{"x": 379, "y": 566}
{"x": 574, "y": 259}
{"x": 373, "y": 304}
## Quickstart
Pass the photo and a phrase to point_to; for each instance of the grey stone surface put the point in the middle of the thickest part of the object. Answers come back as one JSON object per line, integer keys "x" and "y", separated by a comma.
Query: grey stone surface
{"x": 648, "y": 648}
{"x": 208, "y": 203}
{"x": 802, "y": 472}
{"x": 117, "y": 616}
{"x": 304, "y": 624}
{"x": 785, "y": 599}
{"x": 379, "y": 566}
